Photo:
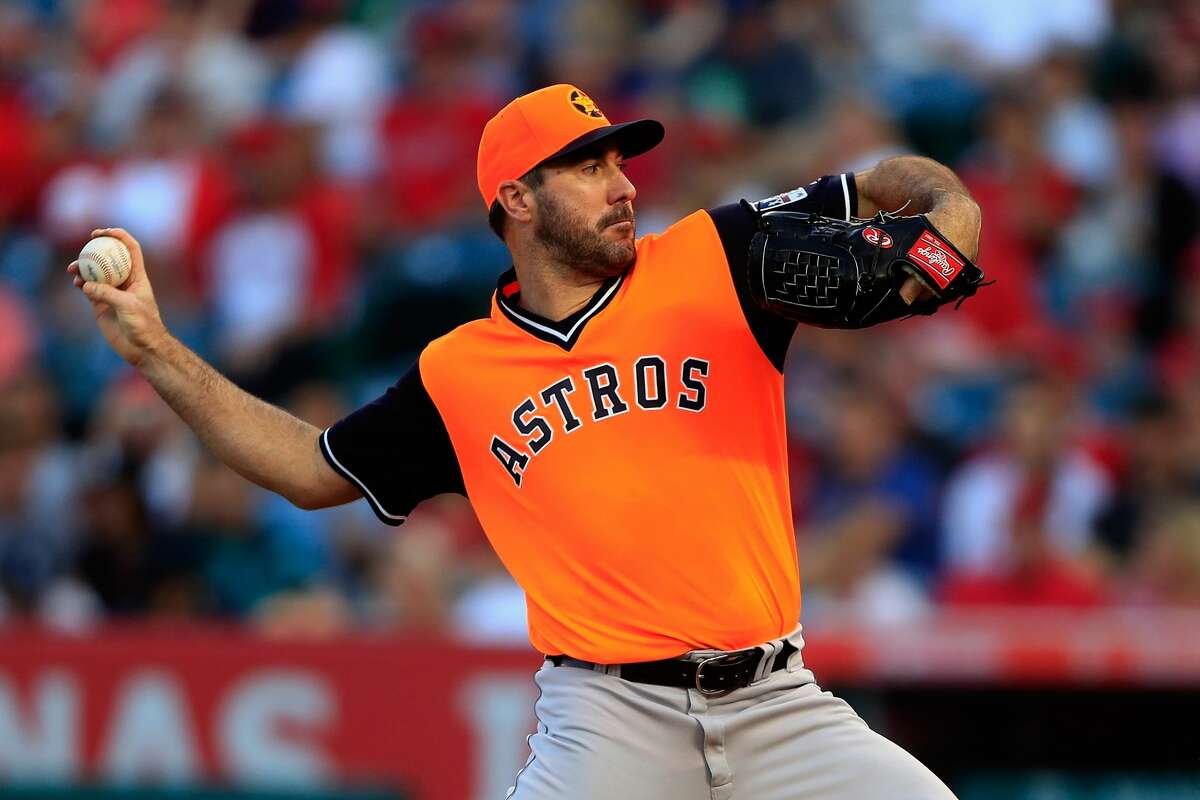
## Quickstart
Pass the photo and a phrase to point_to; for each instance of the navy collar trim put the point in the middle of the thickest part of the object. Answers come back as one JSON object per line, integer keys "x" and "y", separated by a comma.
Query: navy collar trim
{"x": 564, "y": 332}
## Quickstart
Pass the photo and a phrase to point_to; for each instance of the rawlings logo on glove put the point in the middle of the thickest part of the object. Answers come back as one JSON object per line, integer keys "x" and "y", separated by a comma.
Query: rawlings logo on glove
{"x": 937, "y": 258}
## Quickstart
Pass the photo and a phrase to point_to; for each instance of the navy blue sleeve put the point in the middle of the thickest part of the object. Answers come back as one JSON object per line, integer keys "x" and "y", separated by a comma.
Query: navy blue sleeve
{"x": 396, "y": 450}
{"x": 831, "y": 196}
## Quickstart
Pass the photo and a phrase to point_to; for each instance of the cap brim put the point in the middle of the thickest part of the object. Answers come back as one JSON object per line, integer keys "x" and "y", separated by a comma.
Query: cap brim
{"x": 631, "y": 138}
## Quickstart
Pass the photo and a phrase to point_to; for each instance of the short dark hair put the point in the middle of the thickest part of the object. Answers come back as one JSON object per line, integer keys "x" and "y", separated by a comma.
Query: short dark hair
{"x": 496, "y": 213}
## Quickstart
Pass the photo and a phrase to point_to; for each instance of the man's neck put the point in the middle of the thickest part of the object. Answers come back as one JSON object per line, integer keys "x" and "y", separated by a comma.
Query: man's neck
{"x": 552, "y": 291}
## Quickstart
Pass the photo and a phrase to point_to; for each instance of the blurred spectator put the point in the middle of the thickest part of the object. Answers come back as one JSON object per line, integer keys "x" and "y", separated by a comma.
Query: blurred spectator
{"x": 1078, "y": 131}
{"x": 1166, "y": 568}
{"x": 757, "y": 75}
{"x": 317, "y": 546}
{"x": 226, "y": 74}
{"x": 860, "y": 134}
{"x": 1024, "y": 200}
{"x": 1155, "y": 477}
{"x": 1179, "y": 354}
{"x": 239, "y": 564}
{"x": 133, "y": 44}
{"x": 135, "y": 421}
{"x": 20, "y": 143}
{"x": 281, "y": 262}
{"x": 313, "y": 613}
{"x": 39, "y": 509}
{"x": 413, "y": 580}
{"x": 1188, "y": 404}
{"x": 1018, "y": 517}
{"x": 430, "y": 130}
{"x": 1002, "y": 34}
{"x": 133, "y": 567}
{"x": 18, "y": 336}
{"x": 869, "y": 539}
{"x": 491, "y": 609}
{"x": 337, "y": 78}
{"x": 1105, "y": 263}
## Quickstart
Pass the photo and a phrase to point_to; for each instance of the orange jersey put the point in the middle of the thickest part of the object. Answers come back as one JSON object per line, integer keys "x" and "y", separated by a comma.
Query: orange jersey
{"x": 628, "y": 464}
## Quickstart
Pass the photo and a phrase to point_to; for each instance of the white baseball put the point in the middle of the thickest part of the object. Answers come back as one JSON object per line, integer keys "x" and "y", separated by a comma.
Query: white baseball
{"x": 105, "y": 259}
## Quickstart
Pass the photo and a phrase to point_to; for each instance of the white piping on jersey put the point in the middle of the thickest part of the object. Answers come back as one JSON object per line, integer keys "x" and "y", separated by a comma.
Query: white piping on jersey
{"x": 763, "y": 272}
{"x": 846, "y": 196}
{"x": 578, "y": 322}
{"x": 377, "y": 505}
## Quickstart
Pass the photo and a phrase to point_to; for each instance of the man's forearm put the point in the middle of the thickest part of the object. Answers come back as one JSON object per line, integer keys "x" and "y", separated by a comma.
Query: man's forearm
{"x": 262, "y": 443}
{"x": 917, "y": 185}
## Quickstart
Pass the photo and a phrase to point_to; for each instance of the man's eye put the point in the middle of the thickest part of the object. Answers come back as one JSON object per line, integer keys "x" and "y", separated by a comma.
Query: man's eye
{"x": 621, "y": 166}
{"x": 591, "y": 169}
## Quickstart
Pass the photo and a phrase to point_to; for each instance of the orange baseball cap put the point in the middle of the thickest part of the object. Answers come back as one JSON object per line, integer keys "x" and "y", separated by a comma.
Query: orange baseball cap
{"x": 547, "y": 124}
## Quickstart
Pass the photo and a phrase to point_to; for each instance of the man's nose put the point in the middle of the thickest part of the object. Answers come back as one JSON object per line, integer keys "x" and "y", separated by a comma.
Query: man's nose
{"x": 621, "y": 190}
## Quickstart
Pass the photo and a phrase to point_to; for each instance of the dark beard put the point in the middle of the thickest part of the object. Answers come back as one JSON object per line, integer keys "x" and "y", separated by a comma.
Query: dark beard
{"x": 571, "y": 241}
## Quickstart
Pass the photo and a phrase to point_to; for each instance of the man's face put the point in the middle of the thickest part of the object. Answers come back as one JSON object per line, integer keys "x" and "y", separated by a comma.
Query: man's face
{"x": 584, "y": 214}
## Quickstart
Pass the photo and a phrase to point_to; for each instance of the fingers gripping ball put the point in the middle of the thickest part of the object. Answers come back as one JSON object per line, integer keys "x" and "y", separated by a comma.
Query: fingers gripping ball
{"x": 105, "y": 260}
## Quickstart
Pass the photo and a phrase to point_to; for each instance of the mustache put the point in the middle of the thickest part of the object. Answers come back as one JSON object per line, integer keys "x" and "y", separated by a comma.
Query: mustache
{"x": 619, "y": 214}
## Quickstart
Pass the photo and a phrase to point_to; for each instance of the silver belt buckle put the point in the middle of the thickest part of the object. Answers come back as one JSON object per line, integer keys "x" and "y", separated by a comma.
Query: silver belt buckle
{"x": 700, "y": 671}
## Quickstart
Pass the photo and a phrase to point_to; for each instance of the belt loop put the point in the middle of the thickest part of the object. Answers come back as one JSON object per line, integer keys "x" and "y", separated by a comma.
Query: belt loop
{"x": 608, "y": 669}
{"x": 766, "y": 660}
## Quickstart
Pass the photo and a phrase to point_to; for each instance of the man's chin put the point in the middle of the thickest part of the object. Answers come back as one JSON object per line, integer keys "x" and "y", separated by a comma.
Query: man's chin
{"x": 628, "y": 256}
{"x": 618, "y": 262}
{"x": 628, "y": 263}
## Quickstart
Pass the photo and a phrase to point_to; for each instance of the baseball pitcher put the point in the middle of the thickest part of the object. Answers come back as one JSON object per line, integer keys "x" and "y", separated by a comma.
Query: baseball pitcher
{"x": 617, "y": 421}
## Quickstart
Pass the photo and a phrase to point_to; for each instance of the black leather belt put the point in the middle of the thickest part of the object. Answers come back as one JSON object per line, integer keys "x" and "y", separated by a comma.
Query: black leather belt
{"x": 710, "y": 676}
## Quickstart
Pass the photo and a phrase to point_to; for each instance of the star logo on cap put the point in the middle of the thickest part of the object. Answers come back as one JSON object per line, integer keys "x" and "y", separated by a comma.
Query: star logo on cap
{"x": 584, "y": 104}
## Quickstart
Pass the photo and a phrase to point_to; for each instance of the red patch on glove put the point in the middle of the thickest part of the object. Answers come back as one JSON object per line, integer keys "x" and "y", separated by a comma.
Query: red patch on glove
{"x": 937, "y": 259}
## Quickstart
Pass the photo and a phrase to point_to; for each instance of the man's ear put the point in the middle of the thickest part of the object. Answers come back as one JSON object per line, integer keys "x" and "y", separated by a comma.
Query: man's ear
{"x": 516, "y": 198}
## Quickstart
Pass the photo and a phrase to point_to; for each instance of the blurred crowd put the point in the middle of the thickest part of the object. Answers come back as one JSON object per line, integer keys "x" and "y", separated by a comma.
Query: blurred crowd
{"x": 301, "y": 176}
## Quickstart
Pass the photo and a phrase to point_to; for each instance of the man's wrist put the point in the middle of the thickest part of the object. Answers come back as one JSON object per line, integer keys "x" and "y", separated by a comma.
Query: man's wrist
{"x": 160, "y": 350}
{"x": 958, "y": 218}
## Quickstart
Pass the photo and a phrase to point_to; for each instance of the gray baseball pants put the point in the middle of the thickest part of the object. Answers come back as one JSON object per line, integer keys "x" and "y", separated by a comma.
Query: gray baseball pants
{"x": 781, "y": 738}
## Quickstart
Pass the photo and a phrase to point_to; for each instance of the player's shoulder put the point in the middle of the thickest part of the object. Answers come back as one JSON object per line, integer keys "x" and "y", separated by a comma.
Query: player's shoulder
{"x": 469, "y": 334}
{"x": 696, "y": 229}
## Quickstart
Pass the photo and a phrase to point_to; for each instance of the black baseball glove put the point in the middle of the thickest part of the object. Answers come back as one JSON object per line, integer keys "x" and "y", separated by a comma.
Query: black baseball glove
{"x": 836, "y": 274}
